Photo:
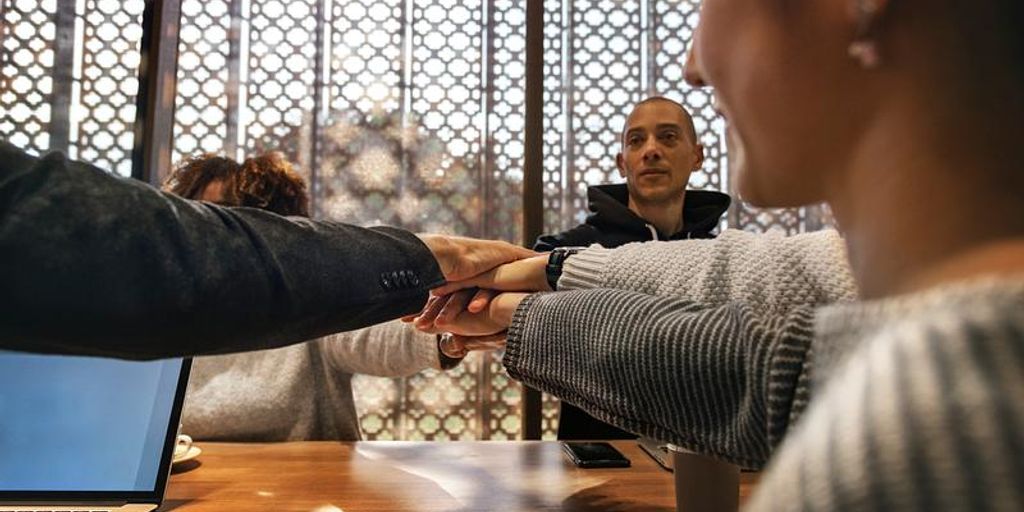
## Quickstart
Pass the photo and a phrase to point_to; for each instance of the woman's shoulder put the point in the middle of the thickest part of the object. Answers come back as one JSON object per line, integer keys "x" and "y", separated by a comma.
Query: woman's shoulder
{"x": 922, "y": 407}
{"x": 961, "y": 310}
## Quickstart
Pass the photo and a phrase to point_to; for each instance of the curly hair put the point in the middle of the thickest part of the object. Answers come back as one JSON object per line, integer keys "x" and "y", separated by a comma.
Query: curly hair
{"x": 264, "y": 181}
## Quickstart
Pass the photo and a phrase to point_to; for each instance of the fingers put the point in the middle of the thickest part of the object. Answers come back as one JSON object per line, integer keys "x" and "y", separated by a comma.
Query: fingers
{"x": 425, "y": 320}
{"x": 469, "y": 312}
{"x": 454, "y": 305}
{"x": 481, "y": 299}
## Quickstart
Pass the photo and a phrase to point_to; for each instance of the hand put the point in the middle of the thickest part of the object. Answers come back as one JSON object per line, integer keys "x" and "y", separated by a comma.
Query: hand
{"x": 461, "y": 258}
{"x": 525, "y": 275}
{"x": 494, "y": 319}
{"x": 447, "y": 307}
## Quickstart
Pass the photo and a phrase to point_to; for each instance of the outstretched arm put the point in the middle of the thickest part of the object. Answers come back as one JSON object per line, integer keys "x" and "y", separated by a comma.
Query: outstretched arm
{"x": 390, "y": 349}
{"x": 723, "y": 381}
{"x": 94, "y": 264}
{"x": 768, "y": 271}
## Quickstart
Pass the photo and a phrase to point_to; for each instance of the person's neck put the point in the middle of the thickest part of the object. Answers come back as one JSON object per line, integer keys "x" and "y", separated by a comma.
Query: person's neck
{"x": 924, "y": 210}
{"x": 666, "y": 216}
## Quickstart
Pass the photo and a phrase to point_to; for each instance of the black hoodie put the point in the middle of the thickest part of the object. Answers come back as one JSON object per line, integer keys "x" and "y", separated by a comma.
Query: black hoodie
{"x": 612, "y": 223}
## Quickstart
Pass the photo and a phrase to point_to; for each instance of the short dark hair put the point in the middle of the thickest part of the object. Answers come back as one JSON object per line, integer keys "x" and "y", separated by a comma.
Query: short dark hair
{"x": 690, "y": 129}
{"x": 264, "y": 181}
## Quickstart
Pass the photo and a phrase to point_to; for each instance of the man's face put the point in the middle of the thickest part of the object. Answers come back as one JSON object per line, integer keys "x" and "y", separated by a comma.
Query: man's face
{"x": 658, "y": 153}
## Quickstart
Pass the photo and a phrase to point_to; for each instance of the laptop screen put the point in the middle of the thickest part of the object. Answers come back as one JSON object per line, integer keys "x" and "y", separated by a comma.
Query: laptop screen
{"x": 86, "y": 425}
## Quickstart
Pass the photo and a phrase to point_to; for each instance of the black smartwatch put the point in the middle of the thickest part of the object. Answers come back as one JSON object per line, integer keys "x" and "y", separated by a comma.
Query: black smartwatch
{"x": 555, "y": 261}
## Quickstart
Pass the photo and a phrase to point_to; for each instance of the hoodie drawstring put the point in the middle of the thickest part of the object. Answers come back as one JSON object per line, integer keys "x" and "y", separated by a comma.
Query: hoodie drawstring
{"x": 654, "y": 232}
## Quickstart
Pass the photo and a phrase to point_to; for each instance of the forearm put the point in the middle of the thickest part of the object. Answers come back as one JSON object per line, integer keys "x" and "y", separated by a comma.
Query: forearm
{"x": 768, "y": 271}
{"x": 390, "y": 349}
{"x": 718, "y": 381}
{"x": 92, "y": 264}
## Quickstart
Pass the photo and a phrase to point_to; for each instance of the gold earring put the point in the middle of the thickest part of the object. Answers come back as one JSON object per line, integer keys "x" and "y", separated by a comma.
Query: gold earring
{"x": 864, "y": 49}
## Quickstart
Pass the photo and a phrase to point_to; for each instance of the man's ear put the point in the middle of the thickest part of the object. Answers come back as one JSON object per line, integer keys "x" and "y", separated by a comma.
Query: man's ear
{"x": 620, "y": 162}
{"x": 698, "y": 156}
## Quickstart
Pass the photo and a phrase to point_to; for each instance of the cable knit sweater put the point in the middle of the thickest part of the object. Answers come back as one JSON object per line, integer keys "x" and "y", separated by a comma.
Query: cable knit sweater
{"x": 918, "y": 400}
{"x": 750, "y": 354}
{"x": 768, "y": 271}
{"x": 299, "y": 392}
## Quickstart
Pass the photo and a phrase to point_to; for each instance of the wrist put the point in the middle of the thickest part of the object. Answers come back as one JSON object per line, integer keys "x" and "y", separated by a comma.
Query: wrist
{"x": 538, "y": 277}
{"x": 556, "y": 259}
{"x": 440, "y": 247}
{"x": 504, "y": 306}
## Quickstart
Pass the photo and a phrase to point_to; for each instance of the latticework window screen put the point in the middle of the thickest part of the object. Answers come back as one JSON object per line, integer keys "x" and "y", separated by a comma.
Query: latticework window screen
{"x": 69, "y": 77}
{"x": 402, "y": 112}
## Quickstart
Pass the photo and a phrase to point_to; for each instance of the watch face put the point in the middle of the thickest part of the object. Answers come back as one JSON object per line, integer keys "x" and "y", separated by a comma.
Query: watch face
{"x": 555, "y": 261}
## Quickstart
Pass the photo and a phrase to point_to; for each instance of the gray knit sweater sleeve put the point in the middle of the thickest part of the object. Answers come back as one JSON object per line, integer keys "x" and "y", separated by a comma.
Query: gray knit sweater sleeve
{"x": 390, "y": 349}
{"x": 718, "y": 380}
{"x": 767, "y": 271}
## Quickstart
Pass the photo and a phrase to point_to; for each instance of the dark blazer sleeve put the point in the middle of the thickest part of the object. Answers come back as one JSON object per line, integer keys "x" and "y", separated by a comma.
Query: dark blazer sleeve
{"x": 99, "y": 265}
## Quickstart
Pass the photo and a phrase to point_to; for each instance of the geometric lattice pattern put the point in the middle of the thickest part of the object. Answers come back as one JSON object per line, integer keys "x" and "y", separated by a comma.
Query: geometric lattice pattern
{"x": 207, "y": 79}
{"x": 27, "y": 38}
{"x": 400, "y": 113}
{"x": 411, "y": 114}
{"x": 68, "y": 77}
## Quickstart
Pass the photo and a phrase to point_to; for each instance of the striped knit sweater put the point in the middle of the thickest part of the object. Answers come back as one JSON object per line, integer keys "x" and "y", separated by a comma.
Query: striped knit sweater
{"x": 682, "y": 294}
{"x": 919, "y": 396}
{"x": 919, "y": 406}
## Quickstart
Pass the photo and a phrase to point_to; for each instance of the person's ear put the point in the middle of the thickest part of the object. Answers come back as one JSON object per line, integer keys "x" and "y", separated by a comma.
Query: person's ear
{"x": 620, "y": 162}
{"x": 698, "y": 156}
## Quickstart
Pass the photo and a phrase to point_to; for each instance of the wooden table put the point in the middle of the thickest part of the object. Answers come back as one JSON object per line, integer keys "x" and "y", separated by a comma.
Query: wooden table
{"x": 421, "y": 476}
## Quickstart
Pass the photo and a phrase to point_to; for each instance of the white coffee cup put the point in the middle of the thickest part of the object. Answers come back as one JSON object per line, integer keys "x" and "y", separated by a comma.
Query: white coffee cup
{"x": 182, "y": 445}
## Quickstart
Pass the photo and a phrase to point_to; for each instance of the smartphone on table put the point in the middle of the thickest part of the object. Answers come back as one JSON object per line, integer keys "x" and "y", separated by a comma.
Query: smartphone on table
{"x": 594, "y": 455}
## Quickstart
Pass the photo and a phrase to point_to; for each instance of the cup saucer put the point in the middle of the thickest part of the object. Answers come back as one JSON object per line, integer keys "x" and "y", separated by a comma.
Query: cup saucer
{"x": 192, "y": 452}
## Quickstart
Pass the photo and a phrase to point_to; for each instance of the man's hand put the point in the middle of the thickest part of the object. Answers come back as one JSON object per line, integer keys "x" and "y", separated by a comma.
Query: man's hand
{"x": 456, "y": 319}
{"x": 462, "y": 258}
{"x": 445, "y": 308}
{"x": 524, "y": 275}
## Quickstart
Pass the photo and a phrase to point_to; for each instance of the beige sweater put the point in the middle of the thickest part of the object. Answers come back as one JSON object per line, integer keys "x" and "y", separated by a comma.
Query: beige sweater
{"x": 300, "y": 392}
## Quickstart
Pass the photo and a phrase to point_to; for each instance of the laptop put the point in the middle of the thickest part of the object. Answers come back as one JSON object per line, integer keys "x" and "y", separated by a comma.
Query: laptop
{"x": 85, "y": 433}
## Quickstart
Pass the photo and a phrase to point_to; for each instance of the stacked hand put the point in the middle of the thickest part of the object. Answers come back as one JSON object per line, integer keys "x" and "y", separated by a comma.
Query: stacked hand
{"x": 486, "y": 283}
{"x": 463, "y": 258}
